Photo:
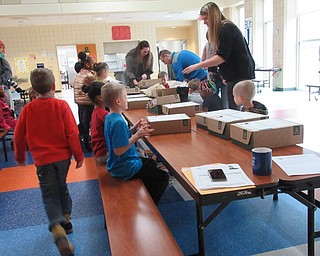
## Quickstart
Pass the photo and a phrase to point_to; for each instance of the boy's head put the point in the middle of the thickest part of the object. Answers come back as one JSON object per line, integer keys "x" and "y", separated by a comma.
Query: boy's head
{"x": 244, "y": 91}
{"x": 42, "y": 80}
{"x": 164, "y": 77}
{"x": 95, "y": 91}
{"x": 112, "y": 93}
{"x": 194, "y": 84}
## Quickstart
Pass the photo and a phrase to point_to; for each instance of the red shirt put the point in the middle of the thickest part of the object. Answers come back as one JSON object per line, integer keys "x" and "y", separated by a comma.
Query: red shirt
{"x": 98, "y": 142}
{"x": 48, "y": 127}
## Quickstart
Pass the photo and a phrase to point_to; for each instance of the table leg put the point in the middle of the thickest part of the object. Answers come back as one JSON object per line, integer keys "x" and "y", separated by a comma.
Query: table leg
{"x": 311, "y": 233}
{"x": 4, "y": 149}
{"x": 200, "y": 229}
{"x": 309, "y": 93}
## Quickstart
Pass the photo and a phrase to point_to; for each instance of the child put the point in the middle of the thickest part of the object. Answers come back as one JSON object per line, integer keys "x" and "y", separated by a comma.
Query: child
{"x": 211, "y": 99}
{"x": 7, "y": 120}
{"x": 47, "y": 126}
{"x": 123, "y": 161}
{"x": 244, "y": 92}
{"x": 99, "y": 113}
{"x": 102, "y": 71}
{"x": 164, "y": 79}
{"x": 194, "y": 93}
{"x": 152, "y": 90}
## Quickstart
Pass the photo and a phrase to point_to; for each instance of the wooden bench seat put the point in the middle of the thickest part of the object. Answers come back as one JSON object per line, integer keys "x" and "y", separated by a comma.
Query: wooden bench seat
{"x": 134, "y": 223}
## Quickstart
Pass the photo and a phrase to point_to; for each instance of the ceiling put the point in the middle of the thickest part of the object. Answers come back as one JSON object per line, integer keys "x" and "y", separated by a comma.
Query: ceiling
{"x": 55, "y": 12}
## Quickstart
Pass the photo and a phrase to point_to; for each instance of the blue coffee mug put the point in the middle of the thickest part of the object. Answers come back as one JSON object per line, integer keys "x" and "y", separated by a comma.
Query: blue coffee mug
{"x": 262, "y": 161}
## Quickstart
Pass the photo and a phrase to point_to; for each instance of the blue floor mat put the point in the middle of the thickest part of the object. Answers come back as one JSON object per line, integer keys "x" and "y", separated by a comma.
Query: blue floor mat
{"x": 89, "y": 238}
{"x": 244, "y": 227}
{"x": 24, "y": 208}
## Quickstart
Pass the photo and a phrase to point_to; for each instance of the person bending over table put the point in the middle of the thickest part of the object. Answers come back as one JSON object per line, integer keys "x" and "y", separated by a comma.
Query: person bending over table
{"x": 139, "y": 64}
{"x": 233, "y": 56}
{"x": 179, "y": 61}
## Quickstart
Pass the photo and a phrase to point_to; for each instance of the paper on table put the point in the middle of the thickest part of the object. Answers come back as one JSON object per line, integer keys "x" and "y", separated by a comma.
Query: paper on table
{"x": 298, "y": 164}
{"x": 235, "y": 176}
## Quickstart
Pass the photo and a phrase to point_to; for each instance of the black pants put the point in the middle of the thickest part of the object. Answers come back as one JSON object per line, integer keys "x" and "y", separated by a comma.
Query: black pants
{"x": 85, "y": 112}
{"x": 230, "y": 85}
{"x": 154, "y": 179}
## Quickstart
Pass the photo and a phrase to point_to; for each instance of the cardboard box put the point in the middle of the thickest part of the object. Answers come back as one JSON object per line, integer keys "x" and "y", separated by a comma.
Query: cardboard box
{"x": 139, "y": 95}
{"x": 271, "y": 133}
{"x": 134, "y": 90}
{"x": 157, "y": 109}
{"x": 138, "y": 103}
{"x": 165, "y": 124}
{"x": 164, "y": 92}
{"x": 189, "y": 108}
{"x": 201, "y": 118}
{"x": 219, "y": 124}
{"x": 143, "y": 84}
{"x": 155, "y": 105}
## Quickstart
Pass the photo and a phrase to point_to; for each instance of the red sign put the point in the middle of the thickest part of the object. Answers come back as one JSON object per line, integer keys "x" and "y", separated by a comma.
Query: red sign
{"x": 121, "y": 32}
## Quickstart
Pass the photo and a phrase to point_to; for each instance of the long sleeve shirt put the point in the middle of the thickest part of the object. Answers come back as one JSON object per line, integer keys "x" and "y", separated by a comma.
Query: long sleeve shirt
{"x": 181, "y": 60}
{"x": 234, "y": 49}
{"x": 47, "y": 126}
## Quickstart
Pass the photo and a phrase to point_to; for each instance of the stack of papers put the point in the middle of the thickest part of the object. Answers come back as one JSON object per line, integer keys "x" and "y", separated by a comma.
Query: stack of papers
{"x": 236, "y": 177}
{"x": 305, "y": 164}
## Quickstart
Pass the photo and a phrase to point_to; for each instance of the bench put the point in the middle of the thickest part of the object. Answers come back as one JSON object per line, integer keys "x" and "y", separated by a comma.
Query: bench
{"x": 317, "y": 87}
{"x": 133, "y": 222}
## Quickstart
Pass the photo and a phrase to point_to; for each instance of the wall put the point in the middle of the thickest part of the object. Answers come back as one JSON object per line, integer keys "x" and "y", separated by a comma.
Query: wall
{"x": 188, "y": 33}
{"x": 38, "y": 43}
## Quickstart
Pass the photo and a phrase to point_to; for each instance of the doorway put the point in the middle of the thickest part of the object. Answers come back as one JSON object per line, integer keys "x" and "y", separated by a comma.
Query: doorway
{"x": 67, "y": 57}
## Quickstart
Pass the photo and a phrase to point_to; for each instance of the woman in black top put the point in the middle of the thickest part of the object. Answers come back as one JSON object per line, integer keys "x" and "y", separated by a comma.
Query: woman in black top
{"x": 139, "y": 64}
{"x": 232, "y": 53}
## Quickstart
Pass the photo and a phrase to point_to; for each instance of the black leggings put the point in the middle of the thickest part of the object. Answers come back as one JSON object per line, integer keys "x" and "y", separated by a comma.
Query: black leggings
{"x": 155, "y": 180}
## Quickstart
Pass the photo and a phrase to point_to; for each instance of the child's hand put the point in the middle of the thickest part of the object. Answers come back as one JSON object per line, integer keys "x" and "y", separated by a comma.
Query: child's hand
{"x": 137, "y": 126}
{"x": 79, "y": 164}
{"x": 144, "y": 130}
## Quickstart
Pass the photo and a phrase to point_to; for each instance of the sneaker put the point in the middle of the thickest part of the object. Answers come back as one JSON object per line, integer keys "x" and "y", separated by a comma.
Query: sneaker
{"x": 67, "y": 227}
{"x": 60, "y": 239}
{"x": 64, "y": 246}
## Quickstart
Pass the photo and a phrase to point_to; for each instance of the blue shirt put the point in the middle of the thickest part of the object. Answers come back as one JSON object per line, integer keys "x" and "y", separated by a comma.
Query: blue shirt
{"x": 183, "y": 59}
{"x": 117, "y": 134}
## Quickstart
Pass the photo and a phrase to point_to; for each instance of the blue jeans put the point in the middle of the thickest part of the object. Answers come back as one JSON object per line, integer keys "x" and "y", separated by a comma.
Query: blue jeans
{"x": 55, "y": 194}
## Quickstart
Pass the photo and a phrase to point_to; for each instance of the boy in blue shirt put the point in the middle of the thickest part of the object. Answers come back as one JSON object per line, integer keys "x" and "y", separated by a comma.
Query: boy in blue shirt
{"x": 123, "y": 161}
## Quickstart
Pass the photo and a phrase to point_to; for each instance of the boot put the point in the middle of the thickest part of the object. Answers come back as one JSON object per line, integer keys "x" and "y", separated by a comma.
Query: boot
{"x": 60, "y": 238}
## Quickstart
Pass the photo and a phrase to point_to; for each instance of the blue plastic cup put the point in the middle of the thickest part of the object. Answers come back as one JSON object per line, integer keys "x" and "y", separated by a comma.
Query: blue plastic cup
{"x": 262, "y": 161}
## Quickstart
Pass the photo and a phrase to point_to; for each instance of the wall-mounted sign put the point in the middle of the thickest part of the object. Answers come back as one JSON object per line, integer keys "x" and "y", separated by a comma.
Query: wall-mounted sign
{"x": 21, "y": 65}
{"x": 121, "y": 33}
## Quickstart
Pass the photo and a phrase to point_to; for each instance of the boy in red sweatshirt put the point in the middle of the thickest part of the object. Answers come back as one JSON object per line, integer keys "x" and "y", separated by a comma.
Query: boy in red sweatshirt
{"x": 47, "y": 126}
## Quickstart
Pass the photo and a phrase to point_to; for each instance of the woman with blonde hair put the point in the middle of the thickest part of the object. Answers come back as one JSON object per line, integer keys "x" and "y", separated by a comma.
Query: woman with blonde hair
{"x": 232, "y": 56}
{"x": 139, "y": 64}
